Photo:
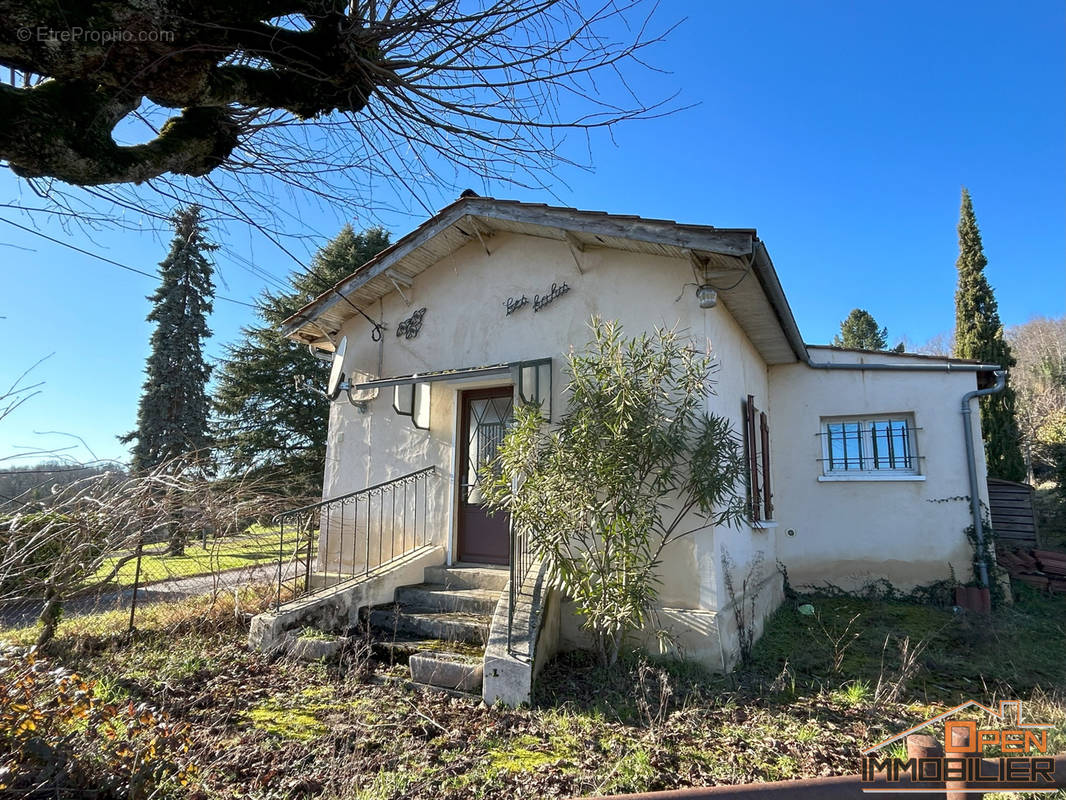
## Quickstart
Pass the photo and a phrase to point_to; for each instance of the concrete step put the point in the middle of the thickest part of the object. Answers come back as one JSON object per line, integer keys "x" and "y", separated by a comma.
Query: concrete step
{"x": 450, "y": 626}
{"x": 469, "y": 576}
{"x": 439, "y": 597}
{"x": 398, "y": 648}
{"x": 447, "y": 671}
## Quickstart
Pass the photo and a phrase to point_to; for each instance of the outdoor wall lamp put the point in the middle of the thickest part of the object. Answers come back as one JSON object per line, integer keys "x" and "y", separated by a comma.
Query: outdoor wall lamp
{"x": 412, "y": 400}
{"x": 707, "y": 296}
{"x": 534, "y": 381}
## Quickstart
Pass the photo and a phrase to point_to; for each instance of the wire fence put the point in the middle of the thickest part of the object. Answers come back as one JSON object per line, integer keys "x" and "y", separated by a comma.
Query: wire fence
{"x": 155, "y": 581}
{"x": 110, "y": 552}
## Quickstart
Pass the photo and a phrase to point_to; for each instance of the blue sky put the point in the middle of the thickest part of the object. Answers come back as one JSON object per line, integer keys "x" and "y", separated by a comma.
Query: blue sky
{"x": 841, "y": 131}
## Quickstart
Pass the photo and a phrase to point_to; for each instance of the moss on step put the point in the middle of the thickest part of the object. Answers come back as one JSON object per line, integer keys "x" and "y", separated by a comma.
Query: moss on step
{"x": 409, "y": 647}
{"x": 459, "y": 648}
{"x": 307, "y": 632}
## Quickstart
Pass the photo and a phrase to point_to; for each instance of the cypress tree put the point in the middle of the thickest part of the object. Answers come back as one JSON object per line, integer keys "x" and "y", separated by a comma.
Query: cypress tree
{"x": 979, "y": 335}
{"x": 261, "y": 423}
{"x": 172, "y": 419}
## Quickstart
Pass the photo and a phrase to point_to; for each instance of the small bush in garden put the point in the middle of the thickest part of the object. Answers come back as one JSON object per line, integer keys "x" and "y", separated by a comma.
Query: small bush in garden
{"x": 55, "y": 734}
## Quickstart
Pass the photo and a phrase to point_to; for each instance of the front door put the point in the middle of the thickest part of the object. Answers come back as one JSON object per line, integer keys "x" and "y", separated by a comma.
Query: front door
{"x": 483, "y": 537}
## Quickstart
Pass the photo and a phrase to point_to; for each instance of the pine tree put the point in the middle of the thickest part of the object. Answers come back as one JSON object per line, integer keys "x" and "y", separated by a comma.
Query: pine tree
{"x": 172, "y": 419}
{"x": 261, "y": 423}
{"x": 860, "y": 332}
{"x": 979, "y": 335}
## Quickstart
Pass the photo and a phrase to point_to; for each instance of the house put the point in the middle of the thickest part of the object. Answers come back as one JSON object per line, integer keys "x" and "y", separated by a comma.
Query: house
{"x": 861, "y": 466}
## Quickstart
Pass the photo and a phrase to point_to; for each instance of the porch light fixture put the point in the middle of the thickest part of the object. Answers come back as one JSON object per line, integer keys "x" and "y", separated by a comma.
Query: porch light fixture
{"x": 707, "y": 296}
{"x": 535, "y": 384}
{"x": 412, "y": 400}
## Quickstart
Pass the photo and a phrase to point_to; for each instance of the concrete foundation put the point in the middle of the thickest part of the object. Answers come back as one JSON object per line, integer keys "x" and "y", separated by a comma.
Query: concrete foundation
{"x": 710, "y": 638}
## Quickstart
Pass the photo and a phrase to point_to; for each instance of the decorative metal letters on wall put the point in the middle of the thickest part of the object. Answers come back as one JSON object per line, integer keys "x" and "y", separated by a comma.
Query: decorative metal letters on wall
{"x": 539, "y": 301}
{"x": 513, "y": 304}
{"x": 410, "y": 327}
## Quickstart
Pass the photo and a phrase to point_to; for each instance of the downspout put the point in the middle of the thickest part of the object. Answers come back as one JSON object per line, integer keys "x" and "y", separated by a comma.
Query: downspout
{"x": 971, "y": 463}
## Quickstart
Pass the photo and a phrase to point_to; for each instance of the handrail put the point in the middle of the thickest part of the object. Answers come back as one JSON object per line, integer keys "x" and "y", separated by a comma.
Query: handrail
{"x": 383, "y": 507}
{"x": 520, "y": 563}
{"x": 366, "y": 490}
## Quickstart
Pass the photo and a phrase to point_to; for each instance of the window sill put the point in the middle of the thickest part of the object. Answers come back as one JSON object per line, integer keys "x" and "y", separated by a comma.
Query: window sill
{"x": 762, "y": 525}
{"x": 874, "y": 478}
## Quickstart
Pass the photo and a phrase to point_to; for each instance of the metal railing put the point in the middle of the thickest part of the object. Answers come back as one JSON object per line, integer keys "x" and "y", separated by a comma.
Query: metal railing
{"x": 352, "y": 535}
{"x": 521, "y": 562}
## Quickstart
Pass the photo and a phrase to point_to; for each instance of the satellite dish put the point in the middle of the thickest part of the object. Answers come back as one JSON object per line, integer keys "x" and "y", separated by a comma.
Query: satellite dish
{"x": 336, "y": 374}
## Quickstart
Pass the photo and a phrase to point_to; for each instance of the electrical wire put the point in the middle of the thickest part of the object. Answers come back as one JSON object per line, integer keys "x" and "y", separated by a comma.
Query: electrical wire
{"x": 111, "y": 261}
{"x": 376, "y": 334}
{"x": 17, "y": 471}
{"x": 743, "y": 275}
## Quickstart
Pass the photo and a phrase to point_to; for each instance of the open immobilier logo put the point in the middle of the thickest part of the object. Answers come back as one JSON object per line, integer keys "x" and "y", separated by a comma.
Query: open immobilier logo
{"x": 1023, "y": 759}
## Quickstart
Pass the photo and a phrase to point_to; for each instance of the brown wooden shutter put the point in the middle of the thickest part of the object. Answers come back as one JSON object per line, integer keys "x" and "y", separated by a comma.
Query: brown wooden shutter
{"x": 753, "y": 456}
{"x": 767, "y": 495}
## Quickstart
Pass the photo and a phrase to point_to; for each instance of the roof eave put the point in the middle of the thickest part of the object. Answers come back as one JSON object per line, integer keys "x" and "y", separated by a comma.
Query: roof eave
{"x": 724, "y": 241}
{"x": 775, "y": 293}
{"x": 380, "y": 263}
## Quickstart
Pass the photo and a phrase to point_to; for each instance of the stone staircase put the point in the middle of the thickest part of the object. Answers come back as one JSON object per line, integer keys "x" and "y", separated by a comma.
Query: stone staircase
{"x": 440, "y": 627}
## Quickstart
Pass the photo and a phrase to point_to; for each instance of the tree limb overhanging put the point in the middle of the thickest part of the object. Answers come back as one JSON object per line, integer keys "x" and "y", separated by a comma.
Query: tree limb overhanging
{"x": 197, "y": 86}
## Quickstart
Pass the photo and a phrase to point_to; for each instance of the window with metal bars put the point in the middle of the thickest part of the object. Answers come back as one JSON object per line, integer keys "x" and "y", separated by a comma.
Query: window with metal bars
{"x": 757, "y": 457}
{"x": 884, "y": 445}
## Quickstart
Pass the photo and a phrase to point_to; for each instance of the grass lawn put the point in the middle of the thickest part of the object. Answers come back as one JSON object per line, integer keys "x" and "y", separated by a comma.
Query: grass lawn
{"x": 805, "y": 705}
{"x": 256, "y": 546}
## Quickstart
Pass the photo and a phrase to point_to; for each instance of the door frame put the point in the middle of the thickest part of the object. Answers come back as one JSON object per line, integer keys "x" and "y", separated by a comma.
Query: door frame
{"x": 462, "y": 438}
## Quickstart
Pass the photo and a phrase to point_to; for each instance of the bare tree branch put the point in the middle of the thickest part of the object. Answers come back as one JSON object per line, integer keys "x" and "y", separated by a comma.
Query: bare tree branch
{"x": 320, "y": 97}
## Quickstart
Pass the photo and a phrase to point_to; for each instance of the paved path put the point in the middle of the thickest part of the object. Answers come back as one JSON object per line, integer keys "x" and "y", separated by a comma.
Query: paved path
{"x": 26, "y": 611}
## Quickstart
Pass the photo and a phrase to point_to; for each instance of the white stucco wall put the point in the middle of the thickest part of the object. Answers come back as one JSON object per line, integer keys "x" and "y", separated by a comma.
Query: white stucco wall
{"x": 851, "y": 532}
{"x": 465, "y": 325}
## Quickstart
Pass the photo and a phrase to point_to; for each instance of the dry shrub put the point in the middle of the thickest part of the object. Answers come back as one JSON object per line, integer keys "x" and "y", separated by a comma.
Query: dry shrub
{"x": 893, "y": 684}
{"x": 653, "y": 693}
{"x": 56, "y": 735}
